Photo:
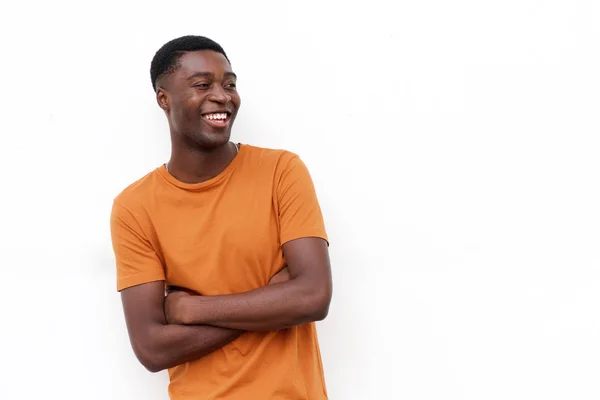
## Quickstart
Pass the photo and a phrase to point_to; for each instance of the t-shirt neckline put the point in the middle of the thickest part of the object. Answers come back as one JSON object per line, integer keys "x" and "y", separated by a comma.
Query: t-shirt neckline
{"x": 162, "y": 170}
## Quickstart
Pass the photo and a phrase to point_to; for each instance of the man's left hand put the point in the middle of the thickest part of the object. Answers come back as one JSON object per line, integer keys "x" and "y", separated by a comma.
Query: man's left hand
{"x": 173, "y": 310}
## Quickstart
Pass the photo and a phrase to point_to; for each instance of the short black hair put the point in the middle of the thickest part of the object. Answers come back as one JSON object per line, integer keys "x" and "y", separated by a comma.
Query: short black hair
{"x": 166, "y": 59}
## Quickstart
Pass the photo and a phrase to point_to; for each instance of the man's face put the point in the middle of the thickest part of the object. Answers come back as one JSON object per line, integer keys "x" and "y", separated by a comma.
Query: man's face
{"x": 200, "y": 98}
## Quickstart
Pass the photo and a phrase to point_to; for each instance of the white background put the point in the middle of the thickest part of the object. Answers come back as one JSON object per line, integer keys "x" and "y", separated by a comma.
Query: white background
{"x": 455, "y": 149}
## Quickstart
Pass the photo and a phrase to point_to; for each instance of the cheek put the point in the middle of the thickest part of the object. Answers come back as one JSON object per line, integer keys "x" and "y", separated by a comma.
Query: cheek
{"x": 236, "y": 100}
{"x": 187, "y": 107}
{"x": 191, "y": 102}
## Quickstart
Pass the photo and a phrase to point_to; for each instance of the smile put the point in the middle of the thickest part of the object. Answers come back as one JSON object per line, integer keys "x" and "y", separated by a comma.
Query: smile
{"x": 216, "y": 116}
{"x": 217, "y": 120}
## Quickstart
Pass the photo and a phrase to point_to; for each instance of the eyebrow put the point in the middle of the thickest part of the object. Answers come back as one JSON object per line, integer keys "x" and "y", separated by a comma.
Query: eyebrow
{"x": 210, "y": 74}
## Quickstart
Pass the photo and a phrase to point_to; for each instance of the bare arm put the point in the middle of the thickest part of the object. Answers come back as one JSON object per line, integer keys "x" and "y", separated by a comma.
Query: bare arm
{"x": 302, "y": 299}
{"x": 159, "y": 345}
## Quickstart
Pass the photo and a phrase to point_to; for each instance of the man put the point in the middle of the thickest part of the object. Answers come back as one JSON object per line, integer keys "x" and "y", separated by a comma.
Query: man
{"x": 236, "y": 234}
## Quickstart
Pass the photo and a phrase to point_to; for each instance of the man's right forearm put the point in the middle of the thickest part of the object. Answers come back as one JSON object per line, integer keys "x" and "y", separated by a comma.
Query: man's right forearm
{"x": 169, "y": 345}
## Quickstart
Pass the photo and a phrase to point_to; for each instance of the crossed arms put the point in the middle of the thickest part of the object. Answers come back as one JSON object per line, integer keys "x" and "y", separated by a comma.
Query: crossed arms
{"x": 181, "y": 328}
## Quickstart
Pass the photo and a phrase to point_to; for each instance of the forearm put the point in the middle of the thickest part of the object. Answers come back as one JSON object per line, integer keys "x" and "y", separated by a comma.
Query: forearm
{"x": 170, "y": 345}
{"x": 269, "y": 308}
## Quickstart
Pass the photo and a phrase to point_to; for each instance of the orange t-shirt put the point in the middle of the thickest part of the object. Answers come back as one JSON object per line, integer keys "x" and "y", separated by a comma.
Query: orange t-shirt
{"x": 224, "y": 236}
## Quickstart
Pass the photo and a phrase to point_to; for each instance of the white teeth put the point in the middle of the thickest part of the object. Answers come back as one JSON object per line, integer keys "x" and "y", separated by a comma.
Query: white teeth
{"x": 213, "y": 116}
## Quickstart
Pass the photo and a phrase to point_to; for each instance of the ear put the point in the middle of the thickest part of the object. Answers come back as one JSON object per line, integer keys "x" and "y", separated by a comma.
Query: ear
{"x": 162, "y": 98}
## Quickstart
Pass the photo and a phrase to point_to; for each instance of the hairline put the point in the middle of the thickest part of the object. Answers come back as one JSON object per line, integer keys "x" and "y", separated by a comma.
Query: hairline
{"x": 177, "y": 64}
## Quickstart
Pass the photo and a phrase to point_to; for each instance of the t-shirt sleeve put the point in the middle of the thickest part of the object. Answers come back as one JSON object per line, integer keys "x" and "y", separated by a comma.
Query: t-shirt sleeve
{"x": 299, "y": 211}
{"x": 137, "y": 262}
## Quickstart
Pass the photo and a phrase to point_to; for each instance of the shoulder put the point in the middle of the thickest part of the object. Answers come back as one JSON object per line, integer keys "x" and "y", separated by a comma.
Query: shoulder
{"x": 267, "y": 157}
{"x": 139, "y": 192}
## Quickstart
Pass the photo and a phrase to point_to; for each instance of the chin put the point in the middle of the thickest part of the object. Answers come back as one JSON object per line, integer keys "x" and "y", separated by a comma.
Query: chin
{"x": 211, "y": 140}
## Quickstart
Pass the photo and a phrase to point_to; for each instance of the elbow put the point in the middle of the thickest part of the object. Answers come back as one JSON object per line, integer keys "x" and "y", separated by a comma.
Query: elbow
{"x": 152, "y": 366}
{"x": 321, "y": 313}
{"x": 322, "y": 310}
{"x": 149, "y": 358}
{"x": 320, "y": 304}
{"x": 150, "y": 363}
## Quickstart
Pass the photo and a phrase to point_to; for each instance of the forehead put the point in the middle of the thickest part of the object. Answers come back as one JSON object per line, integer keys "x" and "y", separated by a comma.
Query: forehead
{"x": 202, "y": 61}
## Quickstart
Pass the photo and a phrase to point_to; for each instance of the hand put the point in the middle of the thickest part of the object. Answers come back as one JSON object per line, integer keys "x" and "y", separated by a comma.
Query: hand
{"x": 281, "y": 276}
{"x": 173, "y": 305}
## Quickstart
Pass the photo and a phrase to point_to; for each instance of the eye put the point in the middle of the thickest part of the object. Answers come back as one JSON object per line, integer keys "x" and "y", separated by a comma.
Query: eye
{"x": 202, "y": 85}
{"x": 231, "y": 85}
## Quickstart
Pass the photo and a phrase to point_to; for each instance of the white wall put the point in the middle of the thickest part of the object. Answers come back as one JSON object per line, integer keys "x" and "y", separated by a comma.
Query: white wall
{"x": 454, "y": 146}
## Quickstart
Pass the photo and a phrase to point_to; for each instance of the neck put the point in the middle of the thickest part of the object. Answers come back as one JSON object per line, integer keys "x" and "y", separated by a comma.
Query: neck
{"x": 199, "y": 165}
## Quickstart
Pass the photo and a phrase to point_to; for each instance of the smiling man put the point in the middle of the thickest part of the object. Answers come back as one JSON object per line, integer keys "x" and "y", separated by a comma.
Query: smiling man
{"x": 235, "y": 233}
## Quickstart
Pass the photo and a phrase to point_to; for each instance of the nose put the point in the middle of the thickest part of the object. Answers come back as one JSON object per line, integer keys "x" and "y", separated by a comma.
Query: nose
{"x": 219, "y": 95}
